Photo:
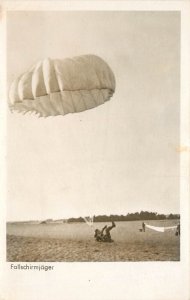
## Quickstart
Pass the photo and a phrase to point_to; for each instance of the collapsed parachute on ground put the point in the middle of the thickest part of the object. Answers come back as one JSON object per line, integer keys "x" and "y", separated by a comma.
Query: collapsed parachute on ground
{"x": 58, "y": 87}
{"x": 160, "y": 229}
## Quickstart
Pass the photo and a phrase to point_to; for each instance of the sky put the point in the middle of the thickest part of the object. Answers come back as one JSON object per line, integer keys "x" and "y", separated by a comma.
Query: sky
{"x": 118, "y": 158}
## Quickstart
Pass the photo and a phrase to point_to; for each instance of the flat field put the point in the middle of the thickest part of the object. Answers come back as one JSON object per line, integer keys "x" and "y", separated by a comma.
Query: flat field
{"x": 75, "y": 242}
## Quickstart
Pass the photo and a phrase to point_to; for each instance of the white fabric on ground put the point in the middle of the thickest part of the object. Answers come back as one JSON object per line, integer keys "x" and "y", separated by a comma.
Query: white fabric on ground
{"x": 160, "y": 229}
{"x": 171, "y": 227}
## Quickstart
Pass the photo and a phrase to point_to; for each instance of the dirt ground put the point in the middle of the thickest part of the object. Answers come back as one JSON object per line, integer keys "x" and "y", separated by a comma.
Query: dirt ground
{"x": 75, "y": 242}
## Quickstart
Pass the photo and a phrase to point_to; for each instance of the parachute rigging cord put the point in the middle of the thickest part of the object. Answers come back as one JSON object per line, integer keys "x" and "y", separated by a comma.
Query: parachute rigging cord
{"x": 55, "y": 87}
{"x": 89, "y": 221}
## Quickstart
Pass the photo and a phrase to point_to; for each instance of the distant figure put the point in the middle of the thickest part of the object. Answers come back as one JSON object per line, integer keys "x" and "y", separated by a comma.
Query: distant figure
{"x": 177, "y": 229}
{"x": 143, "y": 226}
{"x": 101, "y": 237}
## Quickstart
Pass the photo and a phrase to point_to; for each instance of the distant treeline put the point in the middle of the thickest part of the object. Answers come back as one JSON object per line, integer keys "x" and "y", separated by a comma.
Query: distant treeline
{"x": 143, "y": 215}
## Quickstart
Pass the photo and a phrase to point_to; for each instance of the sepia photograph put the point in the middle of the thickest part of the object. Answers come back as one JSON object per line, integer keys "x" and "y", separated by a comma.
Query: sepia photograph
{"x": 94, "y": 150}
{"x": 93, "y": 136}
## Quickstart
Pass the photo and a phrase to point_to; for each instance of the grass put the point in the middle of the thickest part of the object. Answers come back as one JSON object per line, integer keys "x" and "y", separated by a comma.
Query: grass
{"x": 75, "y": 242}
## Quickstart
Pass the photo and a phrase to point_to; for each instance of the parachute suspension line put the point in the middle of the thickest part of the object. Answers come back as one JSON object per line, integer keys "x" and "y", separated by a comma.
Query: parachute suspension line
{"x": 89, "y": 220}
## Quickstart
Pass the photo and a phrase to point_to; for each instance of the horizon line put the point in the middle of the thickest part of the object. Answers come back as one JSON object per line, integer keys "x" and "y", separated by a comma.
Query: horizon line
{"x": 67, "y": 218}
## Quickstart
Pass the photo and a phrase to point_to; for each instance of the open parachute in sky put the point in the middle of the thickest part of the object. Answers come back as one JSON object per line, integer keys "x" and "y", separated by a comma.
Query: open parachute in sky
{"x": 58, "y": 87}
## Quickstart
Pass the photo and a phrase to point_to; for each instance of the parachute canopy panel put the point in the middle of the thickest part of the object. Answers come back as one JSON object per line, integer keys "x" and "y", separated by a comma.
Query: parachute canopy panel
{"x": 58, "y": 87}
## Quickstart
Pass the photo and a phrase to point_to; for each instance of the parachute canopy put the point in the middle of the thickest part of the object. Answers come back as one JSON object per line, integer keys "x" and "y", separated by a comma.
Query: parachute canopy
{"x": 58, "y": 87}
{"x": 160, "y": 229}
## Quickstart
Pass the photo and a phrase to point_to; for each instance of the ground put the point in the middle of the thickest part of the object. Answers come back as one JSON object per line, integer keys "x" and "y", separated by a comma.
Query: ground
{"x": 75, "y": 242}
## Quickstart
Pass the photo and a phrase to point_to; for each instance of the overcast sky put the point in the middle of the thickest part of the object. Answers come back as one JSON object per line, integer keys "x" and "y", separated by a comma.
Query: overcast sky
{"x": 117, "y": 158}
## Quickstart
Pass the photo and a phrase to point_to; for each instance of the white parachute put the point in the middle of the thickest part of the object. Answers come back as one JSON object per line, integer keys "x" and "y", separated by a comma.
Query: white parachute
{"x": 58, "y": 87}
{"x": 161, "y": 229}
